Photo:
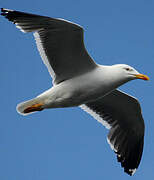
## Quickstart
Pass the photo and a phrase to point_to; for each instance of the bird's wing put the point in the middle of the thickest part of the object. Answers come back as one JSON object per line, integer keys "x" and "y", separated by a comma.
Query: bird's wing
{"x": 59, "y": 42}
{"x": 121, "y": 114}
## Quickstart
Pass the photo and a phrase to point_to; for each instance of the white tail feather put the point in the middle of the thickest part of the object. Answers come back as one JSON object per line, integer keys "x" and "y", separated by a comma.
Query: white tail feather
{"x": 22, "y": 106}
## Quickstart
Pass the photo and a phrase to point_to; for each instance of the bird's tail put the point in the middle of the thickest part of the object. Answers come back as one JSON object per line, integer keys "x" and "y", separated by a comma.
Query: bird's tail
{"x": 28, "y": 107}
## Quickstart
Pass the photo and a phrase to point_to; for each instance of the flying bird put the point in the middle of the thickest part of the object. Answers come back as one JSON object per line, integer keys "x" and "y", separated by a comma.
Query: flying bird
{"x": 79, "y": 81}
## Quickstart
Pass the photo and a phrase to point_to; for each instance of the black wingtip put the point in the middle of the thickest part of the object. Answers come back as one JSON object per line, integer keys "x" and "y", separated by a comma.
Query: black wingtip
{"x": 4, "y": 12}
{"x": 130, "y": 172}
{"x": 12, "y": 15}
{"x": 2, "y": 9}
{"x": 9, "y": 14}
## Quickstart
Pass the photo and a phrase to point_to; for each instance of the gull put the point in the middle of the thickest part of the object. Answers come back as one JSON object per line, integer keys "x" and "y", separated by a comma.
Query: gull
{"x": 79, "y": 81}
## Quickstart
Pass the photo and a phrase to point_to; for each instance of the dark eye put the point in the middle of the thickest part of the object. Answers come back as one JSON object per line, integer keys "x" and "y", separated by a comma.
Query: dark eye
{"x": 128, "y": 69}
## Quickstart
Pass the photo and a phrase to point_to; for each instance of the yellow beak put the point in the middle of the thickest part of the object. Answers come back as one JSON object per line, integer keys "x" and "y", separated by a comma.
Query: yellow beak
{"x": 142, "y": 76}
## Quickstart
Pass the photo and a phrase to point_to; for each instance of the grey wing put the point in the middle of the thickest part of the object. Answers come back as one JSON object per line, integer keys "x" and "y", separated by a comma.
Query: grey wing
{"x": 121, "y": 113}
{"x": 59, "y": 42}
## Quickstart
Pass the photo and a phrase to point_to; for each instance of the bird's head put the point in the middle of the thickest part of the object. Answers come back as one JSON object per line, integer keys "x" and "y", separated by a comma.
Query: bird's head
{"x": 129, "y": 73}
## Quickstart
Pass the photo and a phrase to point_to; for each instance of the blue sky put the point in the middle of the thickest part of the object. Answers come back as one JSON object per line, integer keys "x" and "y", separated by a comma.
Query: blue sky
{"x": 68, "y": 143}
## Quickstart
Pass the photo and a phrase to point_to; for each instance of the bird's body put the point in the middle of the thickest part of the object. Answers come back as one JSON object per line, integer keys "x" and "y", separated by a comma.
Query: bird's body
{"x": 79, "y": 90}
{"x": 79, "y": 81}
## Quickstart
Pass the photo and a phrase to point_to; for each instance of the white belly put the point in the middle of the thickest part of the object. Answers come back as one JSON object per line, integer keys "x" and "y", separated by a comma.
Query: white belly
{"x": 78, "y": 90}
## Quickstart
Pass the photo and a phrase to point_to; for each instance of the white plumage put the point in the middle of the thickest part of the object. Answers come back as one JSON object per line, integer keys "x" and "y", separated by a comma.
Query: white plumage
{"x": 79, "y": 81}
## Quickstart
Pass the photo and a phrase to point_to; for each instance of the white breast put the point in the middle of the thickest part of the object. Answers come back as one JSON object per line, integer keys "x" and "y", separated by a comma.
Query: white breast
{"x": 80, "y": 89}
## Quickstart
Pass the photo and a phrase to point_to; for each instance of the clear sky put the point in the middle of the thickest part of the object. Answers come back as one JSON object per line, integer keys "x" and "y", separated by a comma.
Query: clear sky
{"x": 66, "y": 144}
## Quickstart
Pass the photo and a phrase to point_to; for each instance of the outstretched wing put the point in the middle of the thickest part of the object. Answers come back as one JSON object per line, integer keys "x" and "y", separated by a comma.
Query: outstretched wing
{"x": 121, "y": 114}
{"x": 59, "y": 42}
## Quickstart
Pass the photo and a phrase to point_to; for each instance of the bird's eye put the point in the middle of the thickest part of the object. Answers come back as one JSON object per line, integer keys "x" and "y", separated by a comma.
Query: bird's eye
{"x": 128, "y": 69}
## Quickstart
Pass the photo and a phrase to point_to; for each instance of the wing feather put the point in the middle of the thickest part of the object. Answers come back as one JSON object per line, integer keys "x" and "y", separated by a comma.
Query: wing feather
{"x": 122, "y": 114}
{"x": 59, "y": 42}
